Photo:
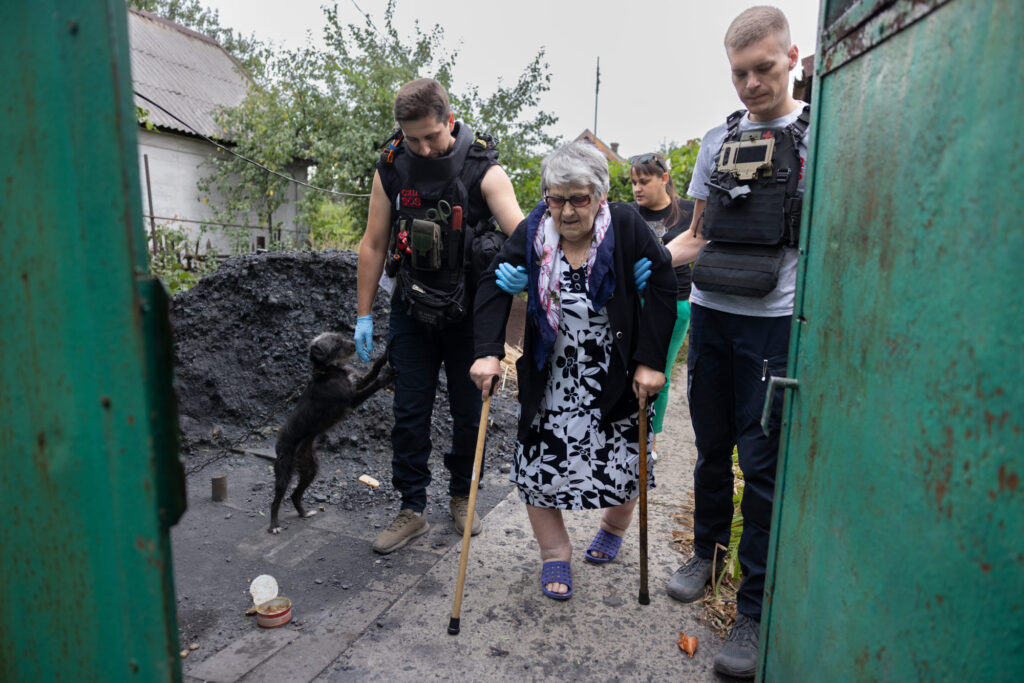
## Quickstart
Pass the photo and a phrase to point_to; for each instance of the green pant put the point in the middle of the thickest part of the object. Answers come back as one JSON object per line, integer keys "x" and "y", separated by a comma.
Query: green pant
{"x": 678, "y": 335}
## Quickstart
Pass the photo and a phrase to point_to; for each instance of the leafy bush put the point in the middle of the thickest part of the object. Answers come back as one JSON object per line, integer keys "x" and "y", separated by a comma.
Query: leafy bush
{"x": 332, "y": 225}
{"x": 174, "y": 260}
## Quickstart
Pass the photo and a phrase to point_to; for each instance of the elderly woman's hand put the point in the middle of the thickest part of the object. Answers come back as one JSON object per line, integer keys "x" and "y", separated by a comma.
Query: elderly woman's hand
{"x": 484, "y": 372}
{"x": 647, "y": 381}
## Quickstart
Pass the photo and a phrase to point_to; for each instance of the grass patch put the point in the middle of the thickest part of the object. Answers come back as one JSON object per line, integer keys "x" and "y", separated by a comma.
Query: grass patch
{"x": 720, "y": 602}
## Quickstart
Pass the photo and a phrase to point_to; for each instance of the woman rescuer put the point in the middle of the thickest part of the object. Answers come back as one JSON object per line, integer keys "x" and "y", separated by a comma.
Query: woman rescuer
{"x": 591, "y": 351}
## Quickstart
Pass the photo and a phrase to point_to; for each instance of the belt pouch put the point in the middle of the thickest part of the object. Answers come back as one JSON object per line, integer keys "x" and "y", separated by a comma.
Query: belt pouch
{"x": 425, "y": 239}
{"x": 744, "y": 269}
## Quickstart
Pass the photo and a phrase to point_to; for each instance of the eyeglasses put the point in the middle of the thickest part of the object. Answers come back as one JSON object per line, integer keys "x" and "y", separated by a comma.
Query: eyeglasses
{"x": 578, "y": 200}
{"x": 641, "y": 159}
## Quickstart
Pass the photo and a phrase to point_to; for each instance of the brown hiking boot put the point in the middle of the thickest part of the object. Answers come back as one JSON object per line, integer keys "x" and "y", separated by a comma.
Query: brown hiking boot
{"x": 407, "y": 526}
{"x": 458, "y": 506}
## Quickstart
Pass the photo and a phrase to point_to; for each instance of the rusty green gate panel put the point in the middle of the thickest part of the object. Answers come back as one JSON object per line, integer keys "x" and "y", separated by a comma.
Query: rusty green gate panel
{"x": 90, "y": 480}
{"x": 898, "y": 533}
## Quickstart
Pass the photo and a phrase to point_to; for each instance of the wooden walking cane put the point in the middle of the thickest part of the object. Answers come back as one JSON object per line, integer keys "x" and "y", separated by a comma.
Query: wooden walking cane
{"x": 645, "y": 598}
{"x": 453, "y": 623}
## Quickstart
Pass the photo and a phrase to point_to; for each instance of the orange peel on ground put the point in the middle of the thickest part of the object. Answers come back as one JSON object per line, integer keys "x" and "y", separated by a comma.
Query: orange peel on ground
{"x": 687, "y": 644}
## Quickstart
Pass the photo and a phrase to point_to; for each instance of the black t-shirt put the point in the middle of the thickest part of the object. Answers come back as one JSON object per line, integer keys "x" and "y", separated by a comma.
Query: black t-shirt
{"x": 667, "y": 233}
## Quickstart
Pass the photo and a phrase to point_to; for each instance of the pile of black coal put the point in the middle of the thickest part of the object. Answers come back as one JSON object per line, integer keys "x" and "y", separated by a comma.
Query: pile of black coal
{"x": 241, "y": 338}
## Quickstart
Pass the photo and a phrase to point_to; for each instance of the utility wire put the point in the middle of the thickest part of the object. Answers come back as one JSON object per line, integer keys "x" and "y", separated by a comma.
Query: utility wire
{"x": 254, "y": 163}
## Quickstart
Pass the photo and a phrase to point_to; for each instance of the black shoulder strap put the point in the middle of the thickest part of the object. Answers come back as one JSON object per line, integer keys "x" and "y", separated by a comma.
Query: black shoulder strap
{"x": 799, "y": 127}
{"x": 483, "y": 142}
{"x": 483, "y": 154}
{"x": 732, "y": 123}
{"x": 386, "y": 164}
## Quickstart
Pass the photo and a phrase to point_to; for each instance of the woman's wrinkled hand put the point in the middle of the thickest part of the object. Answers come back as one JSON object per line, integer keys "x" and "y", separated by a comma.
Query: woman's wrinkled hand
{"x": 647, "y": 382}
{"x": 483, "y": 373}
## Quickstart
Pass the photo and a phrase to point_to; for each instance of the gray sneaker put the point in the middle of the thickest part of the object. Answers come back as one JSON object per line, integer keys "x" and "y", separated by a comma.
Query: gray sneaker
{"x": 407, "y": 526}
{"x": 687, "y": 584}
{"x": 739, "y": 656}
{"x": 458, "y": 506}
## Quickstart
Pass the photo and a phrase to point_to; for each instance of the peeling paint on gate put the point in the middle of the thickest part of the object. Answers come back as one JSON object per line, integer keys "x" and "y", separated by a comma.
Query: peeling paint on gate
{"x": 83, "y": 480}
{"x": 899, "y": 509}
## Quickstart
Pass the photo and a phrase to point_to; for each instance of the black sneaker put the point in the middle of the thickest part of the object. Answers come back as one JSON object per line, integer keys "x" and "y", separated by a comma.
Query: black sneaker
{"x": 687, "y": 584}
{"x": 739, "y": 656}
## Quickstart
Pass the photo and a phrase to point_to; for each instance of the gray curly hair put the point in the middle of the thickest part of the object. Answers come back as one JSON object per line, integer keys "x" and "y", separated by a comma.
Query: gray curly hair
{"x": 576, "y": 163}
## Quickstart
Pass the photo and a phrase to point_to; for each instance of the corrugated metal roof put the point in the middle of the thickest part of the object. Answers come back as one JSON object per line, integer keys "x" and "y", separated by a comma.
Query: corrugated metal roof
{"x": 186, "y": 72}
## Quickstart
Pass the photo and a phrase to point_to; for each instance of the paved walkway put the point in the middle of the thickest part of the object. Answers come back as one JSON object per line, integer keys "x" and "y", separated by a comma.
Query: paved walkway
{"x": 397, "y": 630}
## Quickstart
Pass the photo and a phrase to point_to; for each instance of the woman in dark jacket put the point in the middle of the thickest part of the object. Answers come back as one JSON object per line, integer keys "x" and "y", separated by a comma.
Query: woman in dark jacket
{"x": 592, "y": 349}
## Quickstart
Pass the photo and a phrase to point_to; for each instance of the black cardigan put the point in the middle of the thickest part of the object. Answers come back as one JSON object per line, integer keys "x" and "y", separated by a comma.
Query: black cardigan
{"x": 640, "y": 333}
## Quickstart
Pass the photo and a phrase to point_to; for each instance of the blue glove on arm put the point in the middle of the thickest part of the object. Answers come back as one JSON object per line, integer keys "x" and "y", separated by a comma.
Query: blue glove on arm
{"x": 364, "y": 336}
{"x": 511, "y": 280}
{"x": 641, "y": 272}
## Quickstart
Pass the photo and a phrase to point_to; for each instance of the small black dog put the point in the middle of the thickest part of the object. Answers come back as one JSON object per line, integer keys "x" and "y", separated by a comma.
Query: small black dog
{"x": 330, "y": 396}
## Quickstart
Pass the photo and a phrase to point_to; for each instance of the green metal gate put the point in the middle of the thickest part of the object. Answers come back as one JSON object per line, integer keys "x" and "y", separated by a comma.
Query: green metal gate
{"x": 898, "y": 531}
{"x": 90, "y": 480}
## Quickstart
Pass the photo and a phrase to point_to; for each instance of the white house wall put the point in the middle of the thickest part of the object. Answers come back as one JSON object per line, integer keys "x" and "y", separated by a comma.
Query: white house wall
{"x": 176, "y": 163}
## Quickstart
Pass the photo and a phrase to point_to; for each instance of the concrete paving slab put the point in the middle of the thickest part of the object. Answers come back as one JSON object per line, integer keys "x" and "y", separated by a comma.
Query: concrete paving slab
{"x": 393, "y": 624}
{"x": 242, "y": 655}
{"x": 509, "y": 629}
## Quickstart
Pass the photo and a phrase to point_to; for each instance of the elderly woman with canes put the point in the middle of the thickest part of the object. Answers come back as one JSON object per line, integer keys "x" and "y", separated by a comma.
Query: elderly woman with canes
{"x": 593, "y": 352}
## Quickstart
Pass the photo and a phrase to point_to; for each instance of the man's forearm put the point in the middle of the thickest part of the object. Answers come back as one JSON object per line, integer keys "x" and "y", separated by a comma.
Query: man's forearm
{"x": 684, "y": 249}
{"x": 368, "y": 272}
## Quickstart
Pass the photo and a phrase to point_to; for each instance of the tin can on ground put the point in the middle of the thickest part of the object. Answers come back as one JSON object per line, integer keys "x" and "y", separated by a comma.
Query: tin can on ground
{"x": 274, "y": 613}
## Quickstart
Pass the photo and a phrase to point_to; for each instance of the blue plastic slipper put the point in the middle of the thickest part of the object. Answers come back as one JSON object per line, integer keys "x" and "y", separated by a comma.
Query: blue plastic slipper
{"x": 556, "y": 572}
{"x": 606, "y": 543}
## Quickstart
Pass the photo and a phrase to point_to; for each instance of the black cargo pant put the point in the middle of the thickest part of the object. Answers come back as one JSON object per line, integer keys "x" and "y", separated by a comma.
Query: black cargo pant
{"x": 417, "y": 352}
{"x": 731, "y": 358}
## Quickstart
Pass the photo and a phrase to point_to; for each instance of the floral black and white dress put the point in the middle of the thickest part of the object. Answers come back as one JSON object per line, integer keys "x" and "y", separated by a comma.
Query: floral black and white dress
{"x": 568, "y": 461}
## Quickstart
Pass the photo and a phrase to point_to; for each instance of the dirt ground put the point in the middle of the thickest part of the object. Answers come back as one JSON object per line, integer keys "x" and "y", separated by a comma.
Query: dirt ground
{"x": 241, "y": 339}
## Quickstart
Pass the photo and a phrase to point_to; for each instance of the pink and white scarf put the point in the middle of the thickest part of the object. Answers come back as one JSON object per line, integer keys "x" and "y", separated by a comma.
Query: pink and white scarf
{"x": 547, "y": 243}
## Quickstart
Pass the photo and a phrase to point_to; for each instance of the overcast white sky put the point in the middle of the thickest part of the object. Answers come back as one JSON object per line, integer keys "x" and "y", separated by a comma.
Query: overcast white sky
{"x": 664, "y": 73}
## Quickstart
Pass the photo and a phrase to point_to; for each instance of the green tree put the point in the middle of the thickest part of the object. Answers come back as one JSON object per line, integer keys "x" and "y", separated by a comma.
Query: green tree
{"x": 513, "y": 116}
{"x": 263, "y": 129}
{"x": 334, "y": 107}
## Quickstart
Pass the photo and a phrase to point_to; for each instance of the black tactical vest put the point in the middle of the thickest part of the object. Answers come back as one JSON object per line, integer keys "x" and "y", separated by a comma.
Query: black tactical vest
{"x": 437, "y": 208}
{"x": 753, "y": 208}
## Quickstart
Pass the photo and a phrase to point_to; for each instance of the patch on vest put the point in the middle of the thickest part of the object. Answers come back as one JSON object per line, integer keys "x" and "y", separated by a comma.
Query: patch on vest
{"x": 410, "y": 198}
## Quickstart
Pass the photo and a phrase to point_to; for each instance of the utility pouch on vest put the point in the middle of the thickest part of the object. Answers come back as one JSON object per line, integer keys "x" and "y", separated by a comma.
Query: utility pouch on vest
{"x": 744, "y": 269}
{"x": 428, "y": 305}
{"x": 757, "y": 218}
{"x": 425, "y": 240}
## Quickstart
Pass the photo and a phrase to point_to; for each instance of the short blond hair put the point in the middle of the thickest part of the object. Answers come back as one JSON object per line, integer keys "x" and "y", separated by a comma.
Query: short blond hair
{"x": 756, "y": 24}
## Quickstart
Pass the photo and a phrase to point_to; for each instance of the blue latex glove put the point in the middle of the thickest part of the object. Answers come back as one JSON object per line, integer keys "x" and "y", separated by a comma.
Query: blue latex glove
{"x": 364, "y": 336}
{"x": 641, "y": 273}
{"x": 511, "y": 280}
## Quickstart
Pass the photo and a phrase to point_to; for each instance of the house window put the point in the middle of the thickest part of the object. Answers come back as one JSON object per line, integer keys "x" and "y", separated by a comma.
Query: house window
{"x": 261, "y": 242}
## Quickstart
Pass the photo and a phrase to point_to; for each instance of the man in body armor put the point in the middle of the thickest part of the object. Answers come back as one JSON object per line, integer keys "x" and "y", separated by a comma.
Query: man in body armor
{"x": 748, "y": 185}
{"x": 437, "y": 184}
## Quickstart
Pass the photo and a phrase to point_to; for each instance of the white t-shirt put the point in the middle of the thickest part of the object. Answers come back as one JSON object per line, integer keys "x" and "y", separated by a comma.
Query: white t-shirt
{"x": 778, "y": 302}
